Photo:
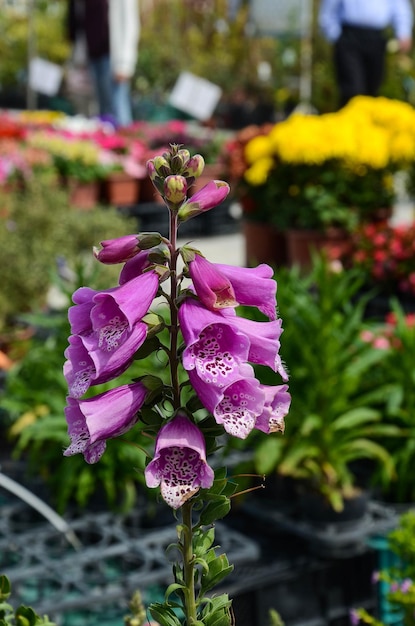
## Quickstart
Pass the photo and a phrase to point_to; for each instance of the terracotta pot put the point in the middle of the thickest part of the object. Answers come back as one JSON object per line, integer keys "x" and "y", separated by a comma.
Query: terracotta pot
{"x": 83, "y": 195}
{"x": 264, "y": 244}
{"x": 301, "y": 243}
{"x": 121, "y": 189}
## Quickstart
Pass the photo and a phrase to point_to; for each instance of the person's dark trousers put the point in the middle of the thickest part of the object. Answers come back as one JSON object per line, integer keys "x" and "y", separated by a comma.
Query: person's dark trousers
{"x": 359, "y": 61}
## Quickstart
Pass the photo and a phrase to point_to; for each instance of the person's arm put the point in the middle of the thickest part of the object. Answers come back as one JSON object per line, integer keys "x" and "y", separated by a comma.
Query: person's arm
{"x": 402, "y": 22}
{"x": 329, "y": 19}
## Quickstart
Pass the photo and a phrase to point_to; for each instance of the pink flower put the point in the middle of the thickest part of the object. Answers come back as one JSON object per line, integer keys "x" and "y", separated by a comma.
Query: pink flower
{"x": 179, "y": 464}
{"x": 110, "y": 414}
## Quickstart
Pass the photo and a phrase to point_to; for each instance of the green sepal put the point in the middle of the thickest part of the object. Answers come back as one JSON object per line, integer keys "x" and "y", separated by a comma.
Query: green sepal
{"x": 163, "y": 614}
{"x": 151, "y": 344}
{"x": 150, "y": 417}
{"x": 214, "y": 510}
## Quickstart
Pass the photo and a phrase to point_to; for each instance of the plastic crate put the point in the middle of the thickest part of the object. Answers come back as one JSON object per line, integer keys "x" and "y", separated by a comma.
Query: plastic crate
{"x": 118, "y": 556}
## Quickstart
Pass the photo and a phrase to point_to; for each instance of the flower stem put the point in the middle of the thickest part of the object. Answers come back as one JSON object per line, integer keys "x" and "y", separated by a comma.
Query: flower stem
{"x": 174, "y": 323}
{"x": 188, "y": 565}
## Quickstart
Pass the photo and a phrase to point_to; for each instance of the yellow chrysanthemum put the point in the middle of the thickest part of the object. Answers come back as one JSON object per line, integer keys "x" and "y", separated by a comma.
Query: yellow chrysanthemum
{"x": 258, "y": 148}
{"x": 257, "y": 174}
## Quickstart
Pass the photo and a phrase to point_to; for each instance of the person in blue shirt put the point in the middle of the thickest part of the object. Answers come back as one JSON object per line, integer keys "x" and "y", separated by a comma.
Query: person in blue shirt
{"x": 356, "y": 28}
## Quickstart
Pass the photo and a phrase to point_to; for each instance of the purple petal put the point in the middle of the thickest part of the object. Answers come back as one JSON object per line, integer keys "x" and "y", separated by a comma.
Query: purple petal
{"x": 79, "y": 369}
{"x": 212, "y": 287}
{"x": 276, "y": 407}
{"x": 253, "y": 286}
{"x": 195, "y": 319}
{"x": 119, "y": 308}
{"x": 179, "y": 464}
{"x": 110, "y": 414}
{"x": 111, "y": 363}
{"x": 135, "y": 266}
{"x": 208, "y": 197}
{"x": 263, "y": 338}
{"x": 243, "y": 401}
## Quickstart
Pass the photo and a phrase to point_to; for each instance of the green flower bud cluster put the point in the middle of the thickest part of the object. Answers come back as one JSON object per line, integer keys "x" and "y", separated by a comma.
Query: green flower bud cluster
{"x": 173, "y": 172}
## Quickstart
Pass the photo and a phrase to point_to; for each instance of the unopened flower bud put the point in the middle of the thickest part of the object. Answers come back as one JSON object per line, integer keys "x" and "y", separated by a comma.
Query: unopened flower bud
{"x": 194, "y": 166}
{"x": 151, "y": 170}
{"x": 175, "y": 189}
{"x": 208, "y": 197}
{"x": 162, "y": 166}
{"x": 179, "y": 161}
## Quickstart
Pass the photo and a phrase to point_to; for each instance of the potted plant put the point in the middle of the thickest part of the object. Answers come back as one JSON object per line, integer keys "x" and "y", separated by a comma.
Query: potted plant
{"x": 384, "y": 254}
{"x": 334, "y": 419}
{"x": 324, "y": 174}
{"x": 396, "y": 371}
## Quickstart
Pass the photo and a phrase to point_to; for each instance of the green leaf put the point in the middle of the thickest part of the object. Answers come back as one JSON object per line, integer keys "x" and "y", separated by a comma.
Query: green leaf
{"x": 355, "y": 417}
{"x": 5, "y": 587}
{"x": 163, "y": 614}
{"x": 202, "y": 541}
{"x": 217, "y": 509}
{"x": 219, "y": 568}
{"x": 268, "y": 454}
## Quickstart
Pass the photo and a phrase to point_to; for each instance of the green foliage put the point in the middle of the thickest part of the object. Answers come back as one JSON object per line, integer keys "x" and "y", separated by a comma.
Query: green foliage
{"x": 397, "y": 370}
{"x": 34, "y": 399}
{"x": 49, "y": 34}
{"x": 41, "y": 228}
{"x": 333, "y": 419}
{"x": 23, "y": 615}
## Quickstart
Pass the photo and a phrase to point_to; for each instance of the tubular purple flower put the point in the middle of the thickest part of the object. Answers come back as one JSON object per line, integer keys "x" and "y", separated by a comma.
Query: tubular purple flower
{"x": 214, "y": 349}
{"x": 110, "y": 414}
{"x": 276, "y": 406}
{"x": 110, "y": 313}
{"x": 263, "y": 339}
{"x": 253, "y": 286}
{"x": 213, "y": 288}
{"x": 88, "y": 364}
{"x": 117, "y": 250}
{"x": 179, "y": 465}
{"x": 208, "y": 197}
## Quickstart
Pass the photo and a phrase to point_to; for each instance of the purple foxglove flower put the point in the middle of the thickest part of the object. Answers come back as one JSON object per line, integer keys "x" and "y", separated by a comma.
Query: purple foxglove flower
{"x": 208, "y": 197}
{"x": 179, "y": 464}
{"x": 108, "y": 314}
{"x": 212, "y": 287}
{"x": 118, "y": 250}
{"x": 263, "y": 338}
{"x": 214, "y": 349}
{"x": 253, "y": 286}
{"x": 276, "y": 407}
{"x": 110, "y": 414}
{"x": 88, "y": 364}
{"x": 217, "y": 285}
